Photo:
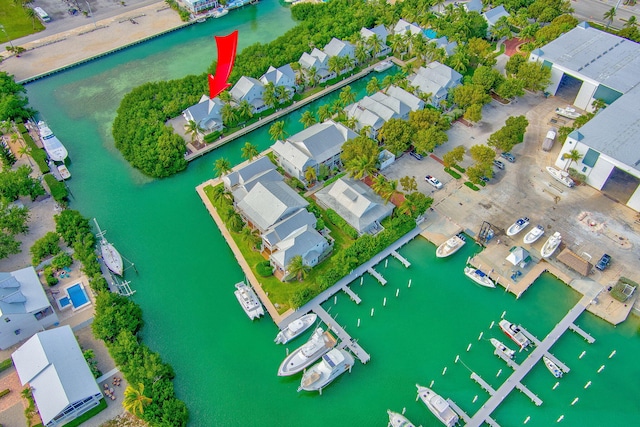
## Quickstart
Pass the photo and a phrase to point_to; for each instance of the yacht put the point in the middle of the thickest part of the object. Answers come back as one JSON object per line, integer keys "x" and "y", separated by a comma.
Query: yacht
{"x": 110, "y": 255}
{"x": 568, "y": 112}
{"x": 534, "y": 234}
{"x": 515, "y": 333}
{"x": 334, "y": 363}
{"x": 479, "y": 277}
{"x": 52, "y": 145}
{"x": 383, "y": 66}
{"x": 438, "y": 406}
{"x": 451, "y": 246}
{"x": 295, "y": 328}
{"x": 500, "y": 347}
{"x": 398, "y": 420}
{"x": 518, "y": 226}
{"x": 248, "y": 300}
{"x": 551, "y": 245}
{"x": 218, "y": 12}
{"x": 552, "y": 367}
{"x": 318, "y": 345}
{"x": 561, "y": 176}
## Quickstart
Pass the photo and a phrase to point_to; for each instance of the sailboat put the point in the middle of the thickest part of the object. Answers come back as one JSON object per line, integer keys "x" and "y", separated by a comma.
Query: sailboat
{"x": 110, "y": 255}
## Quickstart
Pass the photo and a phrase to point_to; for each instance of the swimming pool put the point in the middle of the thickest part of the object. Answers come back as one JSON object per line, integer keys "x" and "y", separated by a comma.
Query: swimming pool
{"x": 430, "y": 33}
{"x": 64, "y": 302}
{"x": 77, "y": 295}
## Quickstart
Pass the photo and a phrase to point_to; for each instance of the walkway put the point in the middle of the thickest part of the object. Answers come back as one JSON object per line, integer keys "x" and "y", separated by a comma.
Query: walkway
{"x": 346, "y": 339}
{"x": 377, "y": 275}
{"x": 400, "y": 258}
{"x": 354, "y": 297}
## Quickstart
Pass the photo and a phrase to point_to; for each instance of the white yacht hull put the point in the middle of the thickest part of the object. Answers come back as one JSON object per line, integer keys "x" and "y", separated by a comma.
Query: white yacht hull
{"x": 438, "y": 406}
{"x": 533, "y": 235}
{"x": 317, "y": 346}
{"x": 398, "y": 420}
{"x": 52, "y": 145}
{"x": 111, "y": 257}
{"x": 561, "y": 176}
{"x": 295, "y": 328}
{"x": 552, "y": 367}
{"x": 517, "y": 226}
{"x": 500, "y": 347}
{"x": 551, "y": 245}
{"x": 481, "y": 279}
{"x": 322, "y": 374}
{"x": 450, "y": 247}
{"x": 248, "y": 300}
{"x": 514, "y": 332}
{"x": 383, "y": 66}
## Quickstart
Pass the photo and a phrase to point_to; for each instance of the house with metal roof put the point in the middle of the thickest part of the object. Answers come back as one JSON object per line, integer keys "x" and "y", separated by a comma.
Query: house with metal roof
{"x": 320, "y": 144}
{"x": 407, "y": 98}
{"x": 602, "y": 65}
{"x": 381, "y": 32}
{"x": 444, "y": 43}
{"x": 206, "y": 113}
{"x": 375, "y": 110}
{"x": 283, "y": 229}
{"x": 359, "y": 205}
{"x": 305, "y": 242}
{"x": 250, "y": 90}
{"x": 493, "y": 15}
{"x": 337, "y": 47}
{"x": 241, "y": 180}
{"x": 319, "y": 61}
{"x": 436, "y": 79}
{"x": 24, "y": 307}
{"x": 53, "y": 366}
{"x": 403, "y": 27}
{"x": 198, "y": 6}
{"x": 281, "y": 76}
{"x": 474, "y": 6}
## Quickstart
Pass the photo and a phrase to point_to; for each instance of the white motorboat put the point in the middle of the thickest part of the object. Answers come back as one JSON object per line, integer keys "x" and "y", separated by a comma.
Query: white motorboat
{"x": 334, "y": 363}
{"x": 398, "y": 420}
{"x": 52, "y": 145}
{"x": 533, "y": 235}
{"x": 382, "y": 66}
{"x": 568, "y": 112}
{"x": 479, "y": 277}
{"x": 318, "y": 345}
{"x": 64, "y": 172}
{"x": 248, "y": 300}
{"x": 551, "y": 245}
{"x": 552, "y": 367}
{"x": 451, "y": 246}
{"x": 500, "y": 347}
{"x": 561, "y": 176}
{"x": 295, "y": 328}
{"x": 110, "y": 255}
{"x": 518, "y": 226}
{"x": 438, "y": 406}
{"x": 218, "y": 12}
{"x": 515, "y": 333}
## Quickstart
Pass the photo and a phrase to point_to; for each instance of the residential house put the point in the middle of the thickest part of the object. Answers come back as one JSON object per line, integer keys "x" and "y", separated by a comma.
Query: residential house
{"x": 250, "y": 90}
{"x": 381, "y": 32}
{"x": 281, "y": 76}
{"x": 356, "y": 203}
{"x": 206, "y": 113}
{"x": 365, "y": 119}
{"x": 319, "y": 61}
{"x": 61, "y": 383}
{"x": 375, "y": 110}
{"x": 199, "y": 6}
{"x": 317, "y": 145}
{"x": 405, "y": 97}
{"x": 444, "y": 43}
{"x": 493, "y": 15}
{"x": 283, "y": 229}
{"x": 406, "y": 28}
{"x": 435, "y": 79}
{"x": 305, "y": 242}
{"x": 241, "y": 181}
{"x": 24, "y": 307}
{"x": 341, "y": 49}
{"x": 474, "y": 6}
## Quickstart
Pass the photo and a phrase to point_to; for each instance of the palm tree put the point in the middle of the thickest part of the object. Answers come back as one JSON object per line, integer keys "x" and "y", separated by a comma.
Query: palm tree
{"x": 5, "y": 126}
{"x": 324, "y": 112}
{"x": 25, "y": 151}
{"x": 389, "y": 190}
{"x": 313, "y": 76}
{"x": 276, "y": 131}
{"x": 362, "y": 54}
{"x": 361, "y": 167}
{"x": 335, "y": 64}
{"x": 245, "y": 110}
{"x": 378, "y": 184}
{"x": 374, "y": 43}
{"x": 308, "y": 118}
{"x": 31, "y": 14}
{"x": 632, "y": 21}
{"x": 222, "y": 167}
{"x": 298, "y": 268}
{"x": 347, "y": 96}
{"x": 310, "y": 174}
{"x": 229, "y": 114}
{"x": 135, "y": 400}
{"x": 572, "y": 156}
{"x": 194, "y": 129}
{"x": 225, "y": 96}
{"x": 282, "y": 94}
{"x": 249, "y": 151}
{"x": 609, "y": 15}
{"x": 373, "y": 86}
{"x": 251, "y": 237}
{"x": 269, "y": 95}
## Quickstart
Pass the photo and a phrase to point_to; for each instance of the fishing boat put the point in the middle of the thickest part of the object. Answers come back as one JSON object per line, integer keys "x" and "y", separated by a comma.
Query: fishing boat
{"x": 248, "y": 300}
{"x": 533, "y": 235}
{"x": 438, "y": 406}
{"x": 551, "y": 245}
{"x": 479, "y": 277}
{"x": 110, "y": 255}
{"x": 398, "y": 420}
{"x": 295, "y": 328}
{"x": 451, "y": 246}
{"x": 64, "y": 172}
{"x": 333, "y": 364}
{"x": 382, "y": 66}
{"x": 518, "y": 226}
{"x": 318, "y": 345}
{"x": 218, "y": 12}
{"x": 52, "y": 145}
{"x": 552, "y": 367}
{"x": 515, "y": 333}
{"x": 568, "y": 112}
{"x": 561, "y": 176}
{"x": 500, "y": 347}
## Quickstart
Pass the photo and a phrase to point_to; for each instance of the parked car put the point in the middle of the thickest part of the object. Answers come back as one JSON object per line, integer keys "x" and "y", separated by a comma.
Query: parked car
{"x": 604, "y": 262}
{"x": 484, "y": 178}
{"x": 431, "y": 180}
{"x": 498, "y": 164}
{"x": 510, "y": 157}
{"x": 416, "y": 155}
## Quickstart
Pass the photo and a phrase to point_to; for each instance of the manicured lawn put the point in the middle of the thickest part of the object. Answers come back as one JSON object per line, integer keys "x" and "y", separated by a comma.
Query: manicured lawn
{"x": 15, "y": 21}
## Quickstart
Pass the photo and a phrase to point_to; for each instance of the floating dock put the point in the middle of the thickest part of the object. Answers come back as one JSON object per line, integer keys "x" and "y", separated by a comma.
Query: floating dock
{"x": 400, "y": 258}
{"x": 347, "y": 341}
{"x": 575, "y": 328}
{"x": 377, "y": 275}
{"x": 354, "y": 297}
{"x": 564, "y": 368}
{"x": 535, "y": 399}
{"x": 485, "y": 386}
{"x": 510, "y": 363}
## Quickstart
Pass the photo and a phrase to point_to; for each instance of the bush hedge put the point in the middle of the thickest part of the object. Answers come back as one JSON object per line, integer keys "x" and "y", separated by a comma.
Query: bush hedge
{"x": 264, "y": 268}
{"x": 38, "y": 154}
{"x": 471, "y": 185}
{"x": 453, "y": 173}
{"x": 58, "y": 189}
{"x": 4, "y": 392}
{"x": 459, "y": 168}
{"x": 338, "y": 221}
{"x": 5, "y": 364}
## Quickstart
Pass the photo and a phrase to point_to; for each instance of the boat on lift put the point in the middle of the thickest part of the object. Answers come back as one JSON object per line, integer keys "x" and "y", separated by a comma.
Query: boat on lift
{"x": 52, "y": 145}
{"x": 295, "y": 328}
{"x": 110, "y": 255}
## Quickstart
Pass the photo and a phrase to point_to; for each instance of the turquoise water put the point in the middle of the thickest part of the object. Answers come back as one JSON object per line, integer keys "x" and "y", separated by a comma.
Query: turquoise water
{"x": 226, "y": 365}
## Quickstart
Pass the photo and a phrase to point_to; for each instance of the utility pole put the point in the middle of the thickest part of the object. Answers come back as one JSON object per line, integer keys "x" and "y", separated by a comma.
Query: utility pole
{"x": 91, "y": 13}
{"x": 5, "y": 33}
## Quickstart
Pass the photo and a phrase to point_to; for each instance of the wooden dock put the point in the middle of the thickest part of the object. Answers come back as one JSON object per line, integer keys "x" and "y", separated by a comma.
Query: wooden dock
{"x": 400, "y": 258}
{"x": 575, "y": 328}
{"x": 377, "y": 275}
{"x": 354, "y": 297}
{"x": 346, "y": 340}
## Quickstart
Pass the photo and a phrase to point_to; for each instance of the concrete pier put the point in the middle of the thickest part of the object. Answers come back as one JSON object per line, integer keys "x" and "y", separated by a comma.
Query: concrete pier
{"x": 354, "y": 297}
{"x": 575, "y": 328}
{"x": 510, "y": 363}
{"x": 400, "y": 258}
{"x": 458, "y": 410}
{"x": 485, "y": 386}
{"x": 535, "y": 399}
{"x": 564, "y": 368}
{"x": 347, "y": 341}
{"x": 377, "y": 275}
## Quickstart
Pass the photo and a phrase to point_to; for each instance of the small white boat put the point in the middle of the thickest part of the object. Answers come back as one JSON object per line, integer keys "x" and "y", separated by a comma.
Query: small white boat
{"x": 382, "y": 66}
{"x": 500, "y": 347}
{"x": 515, "y": 333}
{"x": 518, "y": 226}
{"x": 64, "y": 172}
{"x": 479, "y": 277}
{"x": 451, "y": 246}
{"x": 398, "y": 420}
{"x": 201, "y": 19}
{"x": 568, "y": 112}
{"x": 248, "y": 300}
{"x": 534, "y": 234}
{"x": 110, "y": 255}
{"x": 334, "y": 363}
{"x": 552, "y": 367}
{"x": 551, "y": 245}
{"x": 218, "y": 12}
{"x": 319, "y": 344}
{"x": 52, "y": 145}
{"x": 438, "y": 406}
{"x": 561, "y": 176}
{"x": 295, "y": 328}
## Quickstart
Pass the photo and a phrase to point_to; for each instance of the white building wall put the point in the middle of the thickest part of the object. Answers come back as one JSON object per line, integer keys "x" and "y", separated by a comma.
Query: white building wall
{"x": 26, "y": 324}
{"x": 634, "y": 201}
{"x": 600, "y": 173}
{"x": 556, "y": 76}
{"x": 585, "y": 96}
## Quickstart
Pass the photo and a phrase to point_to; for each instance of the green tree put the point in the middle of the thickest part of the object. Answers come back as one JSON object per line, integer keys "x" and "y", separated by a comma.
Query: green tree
{"x": 510, "y": 88}
{"x": 134, "y": 399}
{"x": 454, "y": 156}
{"x": 312, "y": 76}
{"x": 473, "y": 113}
{"x": 609, "y": 15}
{"x": 16, "y": 183}
{"x": 466, "y": 95}
{"x": 297, "y": 268}
{"x": 487, "y": 77}
{"x": 251, "y": 237}
{"x": 361, "y": 166}
{"x": 477, "y": 171}
{"x": 373, "y": 86}
{"x": 513, "y": 64}
{"x": 534, "y": 76}
{"x": 501, "y": 29}
{"x": 71, "y": 226}
{"x": 572, "y": 156}
{"x": 426, "y": 140}
{"x": 44, "y": 247}
{"x": 397, "y": 135}
{"x": 25, "y": 151}
{"x": 480, "y": 52}
{"x": 324, "y": 113}
{"x": 269, "y": 95}
{"x": 631, "y": 22}
{"x": 13, "y": 220}
{"x": 245, "y": 110}
{"x": 114, "y": 314}
{"x": 334, "y": 64}
{"x": 308, "y": 118}
{"x": 276, "y": 131}
{"x": 409, "y": 184}
{"x": 347, "y": 96}
{"x": 222, "y": 166}
{"x": 229, "y": 115}
{"x": 194, "y": 129}
{"x": 360, "y": 146}
{"x": 249, "y": 151}
{"x": 310, "y": 175}
{"x": 482, "y": 154}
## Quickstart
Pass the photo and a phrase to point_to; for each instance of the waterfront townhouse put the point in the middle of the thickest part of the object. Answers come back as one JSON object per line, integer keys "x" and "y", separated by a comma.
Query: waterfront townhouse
{"x": 403, "y": 27}
{"x": 435, "y": 79}
{"x": 474, "y": 6}
{"x": 341, "y": 49}
{"x": 380, "y": 32}
{"x": 24, "y": 307}
{"x": 375, "y": 110}
{"x": 282, "y": 76}
{"x": 320, "y": 144}
{"x": 198, "y": 6}
{"x": 250, "y": 90}
{"x": 405, "y": 97}
{"x": 444, "y": 43}
{"x": 305, "y": 242}
{"x": 356, "y": 203}
{"x": 492, "y": 16}
{"x": 319, "y": 61}
{"x": 206, "y": 113}
{"x": 53, "y": 366}
{"x": 285, "y": 228}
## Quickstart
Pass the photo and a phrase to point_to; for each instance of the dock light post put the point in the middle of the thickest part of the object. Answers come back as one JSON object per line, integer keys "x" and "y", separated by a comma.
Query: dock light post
{"x": 91, "y": 13}
{"x": 5, "y": 33}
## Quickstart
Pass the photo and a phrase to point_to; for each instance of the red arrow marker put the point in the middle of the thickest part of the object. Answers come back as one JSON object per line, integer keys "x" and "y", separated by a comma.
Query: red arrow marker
{"x": 226, "y": 56}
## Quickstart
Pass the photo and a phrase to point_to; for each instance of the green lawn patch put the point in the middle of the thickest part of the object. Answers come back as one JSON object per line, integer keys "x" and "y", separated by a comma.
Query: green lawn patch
{"x": 459, "y": 168}
{"x": 16, "y": 22}
{"x": 623, "y": 289}
{"x": 453, "y": 173}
